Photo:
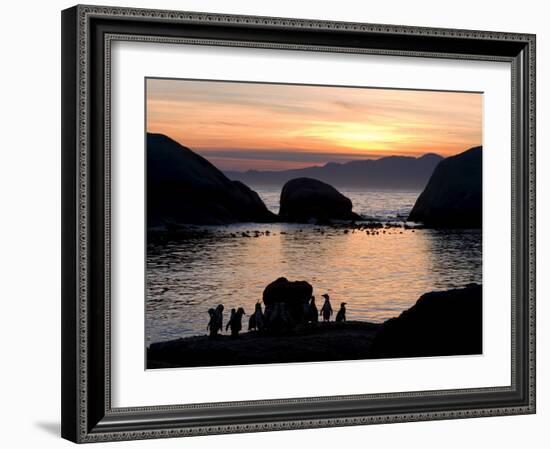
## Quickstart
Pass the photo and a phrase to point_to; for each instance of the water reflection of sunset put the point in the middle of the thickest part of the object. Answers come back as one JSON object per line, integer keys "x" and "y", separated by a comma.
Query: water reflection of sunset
{"x": 378, "y": 276}
{"x": 240, "y": 126}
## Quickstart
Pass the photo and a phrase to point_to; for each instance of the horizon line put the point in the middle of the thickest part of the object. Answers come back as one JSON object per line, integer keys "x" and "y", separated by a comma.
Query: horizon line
{"x": 262, "y": 155}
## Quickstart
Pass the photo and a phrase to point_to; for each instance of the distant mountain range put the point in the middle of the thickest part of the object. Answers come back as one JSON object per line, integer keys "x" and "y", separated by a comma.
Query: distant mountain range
{"x": 393, "y": 172}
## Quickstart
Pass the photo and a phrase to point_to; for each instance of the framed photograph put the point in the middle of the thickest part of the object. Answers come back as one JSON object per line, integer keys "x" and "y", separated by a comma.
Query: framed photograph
{"x": 284, "y": 223}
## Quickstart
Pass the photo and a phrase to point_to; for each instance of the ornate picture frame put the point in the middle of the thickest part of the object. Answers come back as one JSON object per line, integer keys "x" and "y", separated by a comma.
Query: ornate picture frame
{"x": 87, "y": 35}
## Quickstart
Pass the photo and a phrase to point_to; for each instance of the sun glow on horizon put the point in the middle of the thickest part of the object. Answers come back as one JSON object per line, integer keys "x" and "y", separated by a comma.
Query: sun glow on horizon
{"x": 240, "y": 126}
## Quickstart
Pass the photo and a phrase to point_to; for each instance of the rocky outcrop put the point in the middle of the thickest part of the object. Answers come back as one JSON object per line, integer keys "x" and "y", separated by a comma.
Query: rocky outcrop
{"x": 440, "y": 323}
{"x": 184, "y": 188}
{"x": 285, "y": 303}
{"x": 452, "y": 198}
{"x": 306, "y": 199}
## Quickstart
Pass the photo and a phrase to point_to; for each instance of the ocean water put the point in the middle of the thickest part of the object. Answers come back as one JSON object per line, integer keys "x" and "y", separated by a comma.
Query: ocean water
{"x": 378, "y": 276}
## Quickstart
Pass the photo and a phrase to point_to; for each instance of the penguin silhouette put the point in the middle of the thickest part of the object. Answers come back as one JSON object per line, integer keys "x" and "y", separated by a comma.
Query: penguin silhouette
{"x": 235, "y": 322}
{"x": 341, "y": 315}
{"x": 218, "y": 320}
{"x": 326, "y": 310}
{"x": 210, "y": 327}
{"x": 257, "y": 319}
{"x": 215, "y": 324}
{"x": 252, "y": 322}
{"x": 313, "y": 312}
{"x": 233, "y": 311}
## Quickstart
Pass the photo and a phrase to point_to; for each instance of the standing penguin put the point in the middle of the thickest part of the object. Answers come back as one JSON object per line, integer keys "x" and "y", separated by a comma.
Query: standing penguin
{"x": 218, "y": 322}
{"x": 313, "y": 312}
{"x": 211, "y": 323}
{"x": 326, "y": 310}
{"x": 215, "y": 324}
{"x": 233, "y": 311}
{"x": 257, "y": 320}
{"x": 341, "y": 315}
{"x": 252, "y": 322}
{"x": 235, "y": 322}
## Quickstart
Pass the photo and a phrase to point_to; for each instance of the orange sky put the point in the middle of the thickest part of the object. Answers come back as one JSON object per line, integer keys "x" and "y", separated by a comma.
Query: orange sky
{"x": 241, "y": 126}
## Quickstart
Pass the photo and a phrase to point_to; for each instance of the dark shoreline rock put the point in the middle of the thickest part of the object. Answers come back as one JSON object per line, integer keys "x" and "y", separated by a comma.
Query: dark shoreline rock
{"x": 439, "y": 324}
{"x": 294, "y": 295}
{"x": 184, "y": 188}
{"x": 307, "y": 199}
{"x": 453, "y": 195}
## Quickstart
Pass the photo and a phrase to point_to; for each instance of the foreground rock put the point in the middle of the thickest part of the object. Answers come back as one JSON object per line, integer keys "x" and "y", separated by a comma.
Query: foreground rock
{"x": 307, "y": 199}
{"x": 285, "y": 302}
{"x": 452, "y": 198}
{"x": 440, "y": 323}
{"x": 184, "y": 188}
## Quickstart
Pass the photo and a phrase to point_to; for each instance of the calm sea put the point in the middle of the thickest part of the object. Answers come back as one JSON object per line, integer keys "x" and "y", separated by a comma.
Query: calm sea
{"x": 378, "y": 276}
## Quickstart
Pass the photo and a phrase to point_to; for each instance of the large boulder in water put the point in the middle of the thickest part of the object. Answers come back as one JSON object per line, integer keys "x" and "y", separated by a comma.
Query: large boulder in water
{"x": 285, "y": 302}
{"x": 184, "y": 188}
{"x": 306, "y": 199}
{"x": 440, "y": 323}
{"x": 452, "y": 198}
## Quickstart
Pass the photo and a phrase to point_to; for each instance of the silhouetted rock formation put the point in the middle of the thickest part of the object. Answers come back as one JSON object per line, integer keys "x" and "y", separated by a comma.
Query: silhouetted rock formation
{"x": 184, "y": 188}
{"x": 393, "y": 172}
{"x": 440, "y": 323}
{"x": 304, "y": 199}
{"x": 452, "y": 198}
{"x": 284, "y": 302}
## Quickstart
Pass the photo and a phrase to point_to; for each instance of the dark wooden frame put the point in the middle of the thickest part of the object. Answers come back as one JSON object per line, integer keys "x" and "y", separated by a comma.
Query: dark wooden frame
{"x": 87, "y": 32}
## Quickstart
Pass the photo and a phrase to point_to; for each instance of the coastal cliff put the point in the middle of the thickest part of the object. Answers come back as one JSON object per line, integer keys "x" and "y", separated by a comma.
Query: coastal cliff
{"x": 184, "y": 188}
{"x": 452, "y": 198}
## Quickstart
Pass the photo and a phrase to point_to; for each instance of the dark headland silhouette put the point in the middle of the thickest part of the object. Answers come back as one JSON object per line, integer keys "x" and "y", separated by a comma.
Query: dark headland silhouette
{"x": 183, "y": 187}
{"x": 453, "y": 196}
{"x": 440, "y": 323}
{"x": 392, "y": 172}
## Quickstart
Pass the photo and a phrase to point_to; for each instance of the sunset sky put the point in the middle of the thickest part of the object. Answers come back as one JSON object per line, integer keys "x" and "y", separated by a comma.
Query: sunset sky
{"x": 242, "y": 126}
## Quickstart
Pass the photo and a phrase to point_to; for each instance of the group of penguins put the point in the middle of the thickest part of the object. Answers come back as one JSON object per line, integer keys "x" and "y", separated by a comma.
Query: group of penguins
{"x": 277, "y": 314}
